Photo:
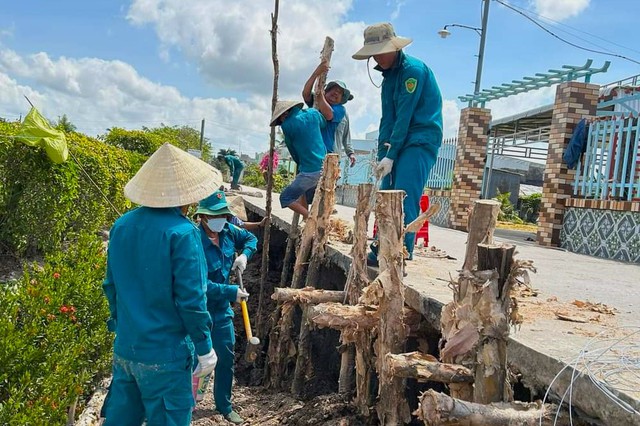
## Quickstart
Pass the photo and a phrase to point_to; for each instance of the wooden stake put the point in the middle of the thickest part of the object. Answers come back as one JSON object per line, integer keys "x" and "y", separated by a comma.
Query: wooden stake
{"x": 482, "y": 223}
{"x": 439, "y": 409}
{"x": 307, "y": 295}
{"x": 294, "y": 236}
{"x": 324, "y": 200}
{"x": 357, "y": 279}
{"x": 423, "y": 367}
{"x": 266, "y": 236}
{"x": 392, "y": 407}
{"x": 493, "y": 309}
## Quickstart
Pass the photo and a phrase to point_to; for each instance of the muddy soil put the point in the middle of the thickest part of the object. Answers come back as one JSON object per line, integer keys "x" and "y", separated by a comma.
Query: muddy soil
{"x": 260, "y": 406}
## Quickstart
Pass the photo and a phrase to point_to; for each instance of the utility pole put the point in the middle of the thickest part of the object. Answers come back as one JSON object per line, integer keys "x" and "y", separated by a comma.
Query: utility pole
{"x": 483, "y": 38}
{"x": 201, "y": 135}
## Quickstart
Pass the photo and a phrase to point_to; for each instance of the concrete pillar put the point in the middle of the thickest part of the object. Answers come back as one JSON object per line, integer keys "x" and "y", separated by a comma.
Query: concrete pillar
{"x": 470, "y": 162}
{"x": 574, "y": 101}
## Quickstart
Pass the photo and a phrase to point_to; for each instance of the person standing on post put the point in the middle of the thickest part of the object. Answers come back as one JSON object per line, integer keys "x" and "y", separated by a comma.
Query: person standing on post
{"x": 235, "y": 168}
{"x": 155, "y": 284}
{"x": 302, "y": 136}
{"x": 410, "y": 131}
{"x": 336, "y": 134}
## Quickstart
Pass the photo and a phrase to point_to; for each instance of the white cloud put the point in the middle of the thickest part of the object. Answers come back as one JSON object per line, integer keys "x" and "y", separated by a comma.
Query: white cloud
{"x": 97, "y": 94}
{"x": 396, "y": 11}
{"x": 560, "y": 9}
{"x": 230, "y": 44}
{"x": 523, "y": 102}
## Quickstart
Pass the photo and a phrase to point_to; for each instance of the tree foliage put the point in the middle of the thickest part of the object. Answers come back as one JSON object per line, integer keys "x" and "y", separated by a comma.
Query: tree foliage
{"x": 147, "y": 140}
{"x": 65, "y": 124}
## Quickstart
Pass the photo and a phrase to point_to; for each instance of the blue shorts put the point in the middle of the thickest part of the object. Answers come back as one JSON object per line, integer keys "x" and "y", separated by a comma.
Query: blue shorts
{"x": 303, "y": 184}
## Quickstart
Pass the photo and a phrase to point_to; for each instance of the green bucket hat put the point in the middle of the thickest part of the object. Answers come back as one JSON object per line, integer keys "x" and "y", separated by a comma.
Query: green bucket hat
{"x": 346, "y": 96}
{"x": 215, "y": 204}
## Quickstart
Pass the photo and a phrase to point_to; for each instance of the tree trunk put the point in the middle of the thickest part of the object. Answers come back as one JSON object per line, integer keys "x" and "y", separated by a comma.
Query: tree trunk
{"x": 491, "y": 375}
{"x": 266, "y": 236}
{"x": 423, "y": 367}
{"x": 294, "y": 235}
{"x": 354, "y": 318}
{"x": 307, "y": 295}
{"x": 482, "y": 223}
{"x": 325, "y": 203}
{"x": 439, "y": 409}
{"x": 458, "y": 329}
{"x": 357, "y": 279}
{"x": 392, "y": 407}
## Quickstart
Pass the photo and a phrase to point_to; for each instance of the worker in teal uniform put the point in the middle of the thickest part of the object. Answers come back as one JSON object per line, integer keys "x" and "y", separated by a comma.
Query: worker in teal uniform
{"x": 221, "y": 242}
{"x": 336, "y": 134}
{"x": 410, "y": 131}
{"x": 156, "y": 283}
{"x": 235, "y": 168}
{"x": 303, "y": 138}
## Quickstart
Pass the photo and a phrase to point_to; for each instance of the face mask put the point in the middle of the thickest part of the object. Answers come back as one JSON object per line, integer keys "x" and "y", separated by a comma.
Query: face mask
{"x": 216, "y": 224}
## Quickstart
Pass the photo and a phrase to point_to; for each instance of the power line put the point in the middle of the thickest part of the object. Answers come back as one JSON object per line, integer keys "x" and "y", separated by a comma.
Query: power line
{"x": 558, "y": 23}
{"x": 563, "y": 40}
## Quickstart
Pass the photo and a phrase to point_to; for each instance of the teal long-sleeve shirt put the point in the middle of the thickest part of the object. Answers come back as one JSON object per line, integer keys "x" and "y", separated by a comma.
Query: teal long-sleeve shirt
{"x": 233, "y": 162}
{"x": 231, "y": 240}
{"x": 156, "y": 283}
{"x": 411, "y": 107}
{"x": 303, "y": 137}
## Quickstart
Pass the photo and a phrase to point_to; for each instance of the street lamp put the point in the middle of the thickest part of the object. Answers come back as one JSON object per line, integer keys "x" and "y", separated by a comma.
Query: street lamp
{"x": 482, "y": 32}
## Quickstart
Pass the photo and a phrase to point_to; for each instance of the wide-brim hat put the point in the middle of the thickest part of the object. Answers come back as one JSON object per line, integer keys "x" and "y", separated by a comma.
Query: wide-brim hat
{"x": 172, "y": 178}
{"x": 378, "y": 39}
{"x": 214, "y": 205}
{"x": 281, "y": 108}
{"x": 346, "y": 95}
{"x": 236, "y": 205}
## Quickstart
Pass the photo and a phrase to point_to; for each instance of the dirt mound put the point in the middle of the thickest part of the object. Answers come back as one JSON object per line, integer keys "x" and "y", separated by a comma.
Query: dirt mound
{"x": 259, "y": 406}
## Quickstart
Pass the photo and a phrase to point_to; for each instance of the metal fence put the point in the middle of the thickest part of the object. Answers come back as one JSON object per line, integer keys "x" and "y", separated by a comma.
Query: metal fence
{"x": 441, "y": 176}
{"x": 610, "y": 166}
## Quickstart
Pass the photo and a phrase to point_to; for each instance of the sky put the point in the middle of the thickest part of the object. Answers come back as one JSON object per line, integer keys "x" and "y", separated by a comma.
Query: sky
{"x": 117, "y": 63}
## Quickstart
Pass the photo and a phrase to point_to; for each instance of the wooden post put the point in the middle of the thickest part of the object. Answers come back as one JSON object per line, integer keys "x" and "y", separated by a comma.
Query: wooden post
{"x": 307, "y": 295}
{"x": 493, "y": 308}
{"x": 392, "y": 407}
{"x": 279, "y": 359}
{"x": 438, "y": 409}
{"x": 294, "y": 236}
{"x": 482, "y": 223}
{"x": 424, "y": 367}
{"x": 325, "y": 201}
{"x": 266, "y": 236}
{"x": 357, "y": 279}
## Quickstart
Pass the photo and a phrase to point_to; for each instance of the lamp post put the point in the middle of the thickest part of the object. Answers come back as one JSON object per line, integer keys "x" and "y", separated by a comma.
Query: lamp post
{"x": 482, "y": 32}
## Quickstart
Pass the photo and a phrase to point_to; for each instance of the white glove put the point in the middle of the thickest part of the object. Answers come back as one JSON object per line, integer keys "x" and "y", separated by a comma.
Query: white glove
{"x": 206, "y": 364}
{"x": 240, "y": 264}
{"x": 241, "y": 294}
{"x": 384, "y": 167}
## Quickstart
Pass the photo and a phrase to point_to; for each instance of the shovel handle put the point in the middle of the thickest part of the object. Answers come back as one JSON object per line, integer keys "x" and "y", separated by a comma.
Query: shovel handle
{"x": 245, "y": 319}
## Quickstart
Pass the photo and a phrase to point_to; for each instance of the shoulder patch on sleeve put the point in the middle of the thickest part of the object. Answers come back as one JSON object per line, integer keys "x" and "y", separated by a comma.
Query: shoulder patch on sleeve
{"x": 410, "y": 84}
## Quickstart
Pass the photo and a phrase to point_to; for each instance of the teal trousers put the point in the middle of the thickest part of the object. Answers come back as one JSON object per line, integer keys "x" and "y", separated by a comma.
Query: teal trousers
{"x": 159, "y": 393}
{"x": 223, "y": 339}
{"x": 410, "y": 173}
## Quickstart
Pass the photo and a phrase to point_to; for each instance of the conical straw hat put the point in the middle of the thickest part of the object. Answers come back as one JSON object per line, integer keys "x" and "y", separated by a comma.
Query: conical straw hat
{"x": 281, "y": 107}
{"x": 172, "y": 178}
{"x": 236, "y": 205}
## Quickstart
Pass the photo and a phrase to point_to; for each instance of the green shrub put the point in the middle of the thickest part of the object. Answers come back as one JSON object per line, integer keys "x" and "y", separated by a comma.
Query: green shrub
{"x": 507, "y": 212}
{"x": 529, "y": 207}
{"x": 253, "y": 177}
{"x": 42, "y": 203}
{"x": 54, "y": 344}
